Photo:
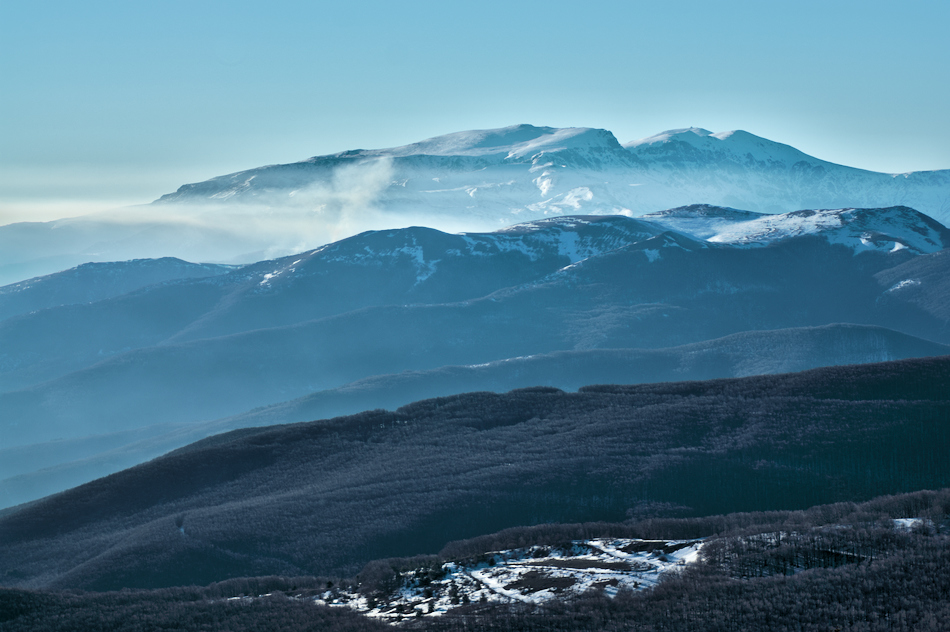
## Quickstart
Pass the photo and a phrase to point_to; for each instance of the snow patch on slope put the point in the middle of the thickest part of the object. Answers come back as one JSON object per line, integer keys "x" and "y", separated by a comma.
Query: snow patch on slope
{"x": 530, "y": 575}
{"x": 903, "y": 285}
{"x": 700, "y": 221}
{"x": 883, "y": 229}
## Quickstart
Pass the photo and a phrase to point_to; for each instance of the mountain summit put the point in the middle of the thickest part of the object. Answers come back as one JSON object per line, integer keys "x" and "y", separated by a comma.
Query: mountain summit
{"x": 478, "y": 180}
{"x": 704, "y": 148}
{"x": 513, "y": 143}
{"x": 523, "y": 172}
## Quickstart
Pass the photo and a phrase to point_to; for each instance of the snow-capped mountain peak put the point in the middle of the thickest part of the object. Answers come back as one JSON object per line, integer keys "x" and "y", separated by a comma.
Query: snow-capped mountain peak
{"x": 686, "y": 135}
{"x": 736, "y": 146}
{"x": 485, "y": 179}
{"x": 514, "y": 142}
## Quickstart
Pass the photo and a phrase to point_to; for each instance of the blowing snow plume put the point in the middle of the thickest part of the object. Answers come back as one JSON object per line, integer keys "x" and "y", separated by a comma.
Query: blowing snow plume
{"x": 271, "y": 224}
{"x": 281, "y": 222}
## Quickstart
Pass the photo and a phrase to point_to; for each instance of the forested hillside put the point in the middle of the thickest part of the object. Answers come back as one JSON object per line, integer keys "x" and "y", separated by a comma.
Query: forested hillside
{"x": 874, "y": 566}
{"x": 328, "y": 496}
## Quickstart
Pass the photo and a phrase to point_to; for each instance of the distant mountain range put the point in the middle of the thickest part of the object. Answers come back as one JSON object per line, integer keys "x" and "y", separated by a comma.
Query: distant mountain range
{"x": 525, "y": 172}
{"x": 126, "y": 365}
{"x": 479, "y": 180}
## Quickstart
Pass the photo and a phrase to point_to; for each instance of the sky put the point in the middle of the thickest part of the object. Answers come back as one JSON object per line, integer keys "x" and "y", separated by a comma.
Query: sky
{"x": 105, "y": 104}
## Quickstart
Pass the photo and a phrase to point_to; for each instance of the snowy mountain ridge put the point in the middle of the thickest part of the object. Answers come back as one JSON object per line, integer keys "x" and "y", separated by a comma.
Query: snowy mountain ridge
{"x": 883, "y": 229}
{"x": 735, "y": 145}
{"x": 476, "y": 181}
{"x": 503, "y": 176}
{"x": 556, "y": 242}
{"x": 515, "y": 143}
{"x": 578, "y": 237}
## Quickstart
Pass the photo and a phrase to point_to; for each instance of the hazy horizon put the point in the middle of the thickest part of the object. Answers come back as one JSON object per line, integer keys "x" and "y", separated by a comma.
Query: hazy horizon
{"x": 108, "y": 105}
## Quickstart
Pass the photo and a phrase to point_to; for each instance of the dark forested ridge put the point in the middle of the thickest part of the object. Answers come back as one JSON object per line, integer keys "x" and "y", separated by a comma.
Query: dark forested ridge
{"x": 325, "y": 497}
{"x": 906, "y": 590}
{"x": 844, "y": 566}
{"x": 175, "y": 609}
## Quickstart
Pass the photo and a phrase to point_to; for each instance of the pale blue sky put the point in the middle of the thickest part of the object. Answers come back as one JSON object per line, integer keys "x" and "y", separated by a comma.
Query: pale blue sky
{"x": 108, "y": 103}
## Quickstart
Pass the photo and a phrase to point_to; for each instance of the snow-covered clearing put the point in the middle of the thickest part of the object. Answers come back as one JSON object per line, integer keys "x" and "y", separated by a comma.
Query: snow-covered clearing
{"x": 530, "y": 575}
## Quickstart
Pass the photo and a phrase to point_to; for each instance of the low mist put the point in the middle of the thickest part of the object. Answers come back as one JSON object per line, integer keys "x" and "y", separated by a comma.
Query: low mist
{"x": 272, "y": 224}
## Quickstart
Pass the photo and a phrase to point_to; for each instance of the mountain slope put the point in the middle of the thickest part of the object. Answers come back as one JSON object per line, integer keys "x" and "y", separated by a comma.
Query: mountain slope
{"x": 737, "y": 355}
{"x": 114, "y": 380}
{"x": 923, "y": 282}
{"x": 415, "y": 265}
{"x": 382, "y": 484}
{"x": 93, "y": 282}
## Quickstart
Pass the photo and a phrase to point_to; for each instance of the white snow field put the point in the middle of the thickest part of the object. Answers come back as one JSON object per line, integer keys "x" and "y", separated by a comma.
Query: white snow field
{"x": 886, "y": 229}
{"x": 529, "y": 575}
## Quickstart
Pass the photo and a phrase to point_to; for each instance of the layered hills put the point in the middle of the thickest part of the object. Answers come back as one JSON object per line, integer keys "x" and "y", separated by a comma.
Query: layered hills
{"x": 386, "y": 317}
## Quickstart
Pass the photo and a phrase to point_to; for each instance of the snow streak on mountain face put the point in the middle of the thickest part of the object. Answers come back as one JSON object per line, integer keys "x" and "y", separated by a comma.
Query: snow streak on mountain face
{"x": 524, "y": 172}
{"x": 884, "y": 229}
